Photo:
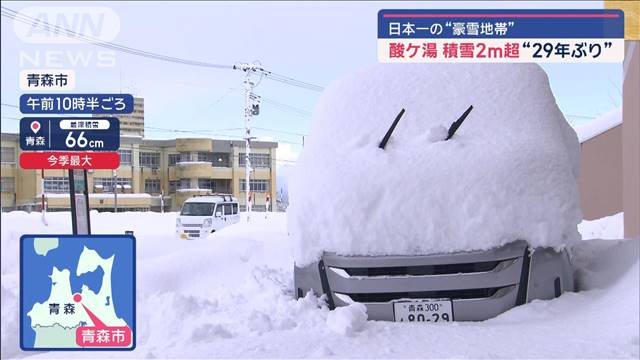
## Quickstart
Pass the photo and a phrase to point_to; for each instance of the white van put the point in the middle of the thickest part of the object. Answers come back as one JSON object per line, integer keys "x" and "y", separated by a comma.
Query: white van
{"x": 204, "y": 214}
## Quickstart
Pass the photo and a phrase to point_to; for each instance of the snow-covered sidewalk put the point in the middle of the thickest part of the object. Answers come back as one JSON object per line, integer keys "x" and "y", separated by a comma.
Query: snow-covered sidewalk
{"x": 231, "y": 296}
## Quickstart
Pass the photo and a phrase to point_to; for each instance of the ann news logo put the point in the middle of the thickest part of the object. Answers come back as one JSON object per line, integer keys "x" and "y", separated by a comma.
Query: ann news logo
{"x": 65, "y": 26}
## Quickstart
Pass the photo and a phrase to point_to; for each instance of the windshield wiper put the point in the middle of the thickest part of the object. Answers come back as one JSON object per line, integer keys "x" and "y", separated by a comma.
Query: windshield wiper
{"x": 386, "y": 137}
{"x": 456, "y": 124}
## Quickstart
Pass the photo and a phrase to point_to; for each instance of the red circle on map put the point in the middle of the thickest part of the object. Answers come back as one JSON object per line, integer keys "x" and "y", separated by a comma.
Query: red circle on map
{"x": 77, "y": 297}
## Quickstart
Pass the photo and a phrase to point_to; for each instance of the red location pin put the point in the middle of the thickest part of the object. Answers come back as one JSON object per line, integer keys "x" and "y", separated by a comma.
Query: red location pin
{"x": 35, "y": 126}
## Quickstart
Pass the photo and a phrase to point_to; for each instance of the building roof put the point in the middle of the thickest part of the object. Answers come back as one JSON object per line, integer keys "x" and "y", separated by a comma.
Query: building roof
{"x": 218, "y": 145}
{"x": 599, "y": 125}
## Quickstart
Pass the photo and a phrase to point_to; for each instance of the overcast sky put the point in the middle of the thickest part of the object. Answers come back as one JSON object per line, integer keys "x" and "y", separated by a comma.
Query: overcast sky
{"x": 315, "y": 42}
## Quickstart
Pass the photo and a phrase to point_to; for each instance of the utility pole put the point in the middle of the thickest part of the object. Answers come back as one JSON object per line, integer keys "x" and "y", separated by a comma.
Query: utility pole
{"x": 115, "y": 191}
{"x": 44, "y": 202}
{"x": 249, "y": 110}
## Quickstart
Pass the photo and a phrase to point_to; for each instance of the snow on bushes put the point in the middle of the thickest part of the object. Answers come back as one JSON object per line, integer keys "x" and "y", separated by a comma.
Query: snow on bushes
{"x": 508, "y": 173}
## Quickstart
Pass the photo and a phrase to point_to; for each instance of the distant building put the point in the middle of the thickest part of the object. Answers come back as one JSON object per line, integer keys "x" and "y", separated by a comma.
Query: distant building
{"x": 131, "y": 124}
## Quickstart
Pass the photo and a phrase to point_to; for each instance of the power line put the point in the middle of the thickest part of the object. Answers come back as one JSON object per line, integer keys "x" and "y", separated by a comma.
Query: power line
{"x": 25, "y": 19}
{"x": 286, "y": 107}
{"x": 97, "y": 42}
{"x": 280, "y": 131}
{"x": 201, "y": 132}
{"x": 580, "y": 116}
{"x": 214, "y": 132}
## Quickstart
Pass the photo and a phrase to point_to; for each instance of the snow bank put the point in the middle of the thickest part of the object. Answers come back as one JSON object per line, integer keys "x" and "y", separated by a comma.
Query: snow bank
{"x": 348, "y": 320}
{"x": 609, "y": 227}
{"x": 231, "y": 296}
{"x": 508, "y": 173}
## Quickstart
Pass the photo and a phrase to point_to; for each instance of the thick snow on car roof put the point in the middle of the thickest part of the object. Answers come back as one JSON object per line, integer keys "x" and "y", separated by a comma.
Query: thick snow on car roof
{"x": 508, "y": 173}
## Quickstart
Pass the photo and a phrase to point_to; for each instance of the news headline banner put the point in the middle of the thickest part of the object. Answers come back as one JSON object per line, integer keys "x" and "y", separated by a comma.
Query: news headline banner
{"x": 424, "y": 36}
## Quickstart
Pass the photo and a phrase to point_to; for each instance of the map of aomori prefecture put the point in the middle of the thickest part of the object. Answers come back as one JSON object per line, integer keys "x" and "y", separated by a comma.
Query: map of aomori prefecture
{"x": 77, "y": 292}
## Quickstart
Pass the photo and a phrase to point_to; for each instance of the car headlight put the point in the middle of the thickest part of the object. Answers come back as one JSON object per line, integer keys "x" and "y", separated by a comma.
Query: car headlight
{"x": 207, "y": 222}
{"x": 178, "y": 223}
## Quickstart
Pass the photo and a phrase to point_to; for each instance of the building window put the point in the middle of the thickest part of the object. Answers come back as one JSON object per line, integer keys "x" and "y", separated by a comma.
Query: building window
{"x": 152, "y": 186}
{"x": 257, "y": 160}
{"x": 173, "y": 186}
{"x": 185, "y": 184}
{"x": 205, "y": 156}
{"x": 107, "y": 183}
{"x": 125, "y": 157}
{"x": 7, "y": 184}
{"x": 150, "y": 159}
{"x": 206, "y": 184}
{"x": 8, "y": 155}
{"x": 220, "y": 160}
{"x": 185, "y": 157}
{"x": 56, "y": 184}
{"x": 174, "y": 159}
{"x": 255, "y": 185}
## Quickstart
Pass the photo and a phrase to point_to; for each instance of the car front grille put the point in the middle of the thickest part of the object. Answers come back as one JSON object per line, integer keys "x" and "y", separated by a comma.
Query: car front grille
{"x": 192, "y": 233}
{"x": 441, "y": 269}
{"x": 458, "y": 276}
{"x": 443, "y": 294}
{"x": 192, "y": 225}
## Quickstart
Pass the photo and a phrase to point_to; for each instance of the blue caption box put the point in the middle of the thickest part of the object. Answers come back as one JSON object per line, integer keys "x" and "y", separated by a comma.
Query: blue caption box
{"x": 70, "y": 133}
{"x": 523, "y": 24}
{"x": 76, "y": 103}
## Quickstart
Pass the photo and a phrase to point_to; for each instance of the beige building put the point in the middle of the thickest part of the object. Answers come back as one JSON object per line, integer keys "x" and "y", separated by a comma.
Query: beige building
{"x": 610, "y": 155}
{"x": 152, "y": 173}
{"x": 178, "y": 168}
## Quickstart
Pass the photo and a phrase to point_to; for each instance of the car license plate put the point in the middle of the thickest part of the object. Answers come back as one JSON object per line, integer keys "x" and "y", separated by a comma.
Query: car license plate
{"x": 423, "y": 310}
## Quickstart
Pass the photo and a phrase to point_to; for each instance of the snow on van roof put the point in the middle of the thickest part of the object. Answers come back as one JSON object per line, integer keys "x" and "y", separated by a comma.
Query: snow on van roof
{"x": 508, "y": 173}
{"x": 599, "y": 125}
{"x": 211, "y": 198}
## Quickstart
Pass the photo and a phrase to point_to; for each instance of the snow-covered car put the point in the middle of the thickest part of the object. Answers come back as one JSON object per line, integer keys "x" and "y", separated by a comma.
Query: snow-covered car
{"x": 447, "y": 192}
{"x": 204, "y": 214}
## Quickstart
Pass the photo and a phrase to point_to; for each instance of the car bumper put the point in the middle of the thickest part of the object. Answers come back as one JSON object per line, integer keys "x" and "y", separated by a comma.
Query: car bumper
{"x": 480, "y": 284}
{"x": 192, "y": 232}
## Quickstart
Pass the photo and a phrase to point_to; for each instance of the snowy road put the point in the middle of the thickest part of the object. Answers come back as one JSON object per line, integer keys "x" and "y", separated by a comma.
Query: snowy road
{"x": 231, "y": 296}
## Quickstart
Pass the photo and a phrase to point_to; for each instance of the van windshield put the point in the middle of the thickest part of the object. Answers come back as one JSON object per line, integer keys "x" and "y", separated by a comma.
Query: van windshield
{"x": 197, "y": 209}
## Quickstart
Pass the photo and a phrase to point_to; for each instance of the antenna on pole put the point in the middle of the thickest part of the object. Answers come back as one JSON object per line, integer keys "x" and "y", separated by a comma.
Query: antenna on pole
{"x": 250, "y": 108}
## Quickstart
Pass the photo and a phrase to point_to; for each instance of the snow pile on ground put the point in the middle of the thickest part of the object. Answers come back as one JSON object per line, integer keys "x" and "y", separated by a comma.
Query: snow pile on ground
{"x": 231, "y": 296}
{"x": 348, "y": 320}
{"x": 610, "y": 227}
{"x": 508, "y": 173}
{"x": 597, "y": 126}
